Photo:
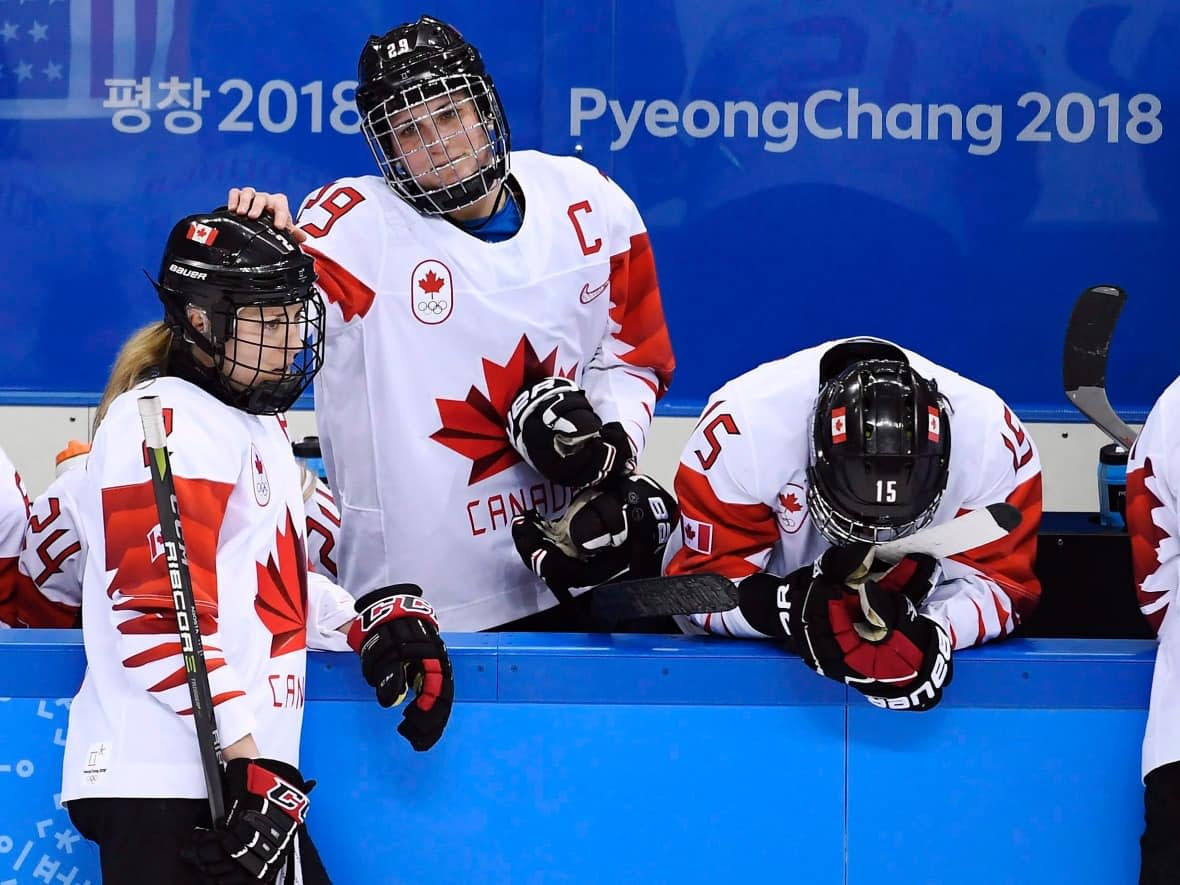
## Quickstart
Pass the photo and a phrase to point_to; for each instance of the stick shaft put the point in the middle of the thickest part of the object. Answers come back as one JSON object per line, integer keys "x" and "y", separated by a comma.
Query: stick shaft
{"x": 180, "y": 580}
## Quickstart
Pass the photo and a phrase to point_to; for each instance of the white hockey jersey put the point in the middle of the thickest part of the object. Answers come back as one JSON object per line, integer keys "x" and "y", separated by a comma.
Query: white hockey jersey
{"x": 1153, "y": 522}
{"x": 14, "y": 514}
{"x": 54, "y": 555}
{"x": 742, "y": 488}
{"x": 430, "y": 334}
{"x": 237, "y": 483}
{"x": 54, "y": 552}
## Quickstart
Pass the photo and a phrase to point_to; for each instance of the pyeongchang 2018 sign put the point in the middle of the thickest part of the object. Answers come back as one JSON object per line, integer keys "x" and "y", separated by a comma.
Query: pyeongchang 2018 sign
{"x": 829, "y": 114}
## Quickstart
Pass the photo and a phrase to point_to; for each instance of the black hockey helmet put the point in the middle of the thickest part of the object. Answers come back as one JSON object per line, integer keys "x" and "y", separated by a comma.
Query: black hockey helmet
{"x": 234, "y": 269}
{"x": 880, "y": 445}
{"x": 414, "y": 64}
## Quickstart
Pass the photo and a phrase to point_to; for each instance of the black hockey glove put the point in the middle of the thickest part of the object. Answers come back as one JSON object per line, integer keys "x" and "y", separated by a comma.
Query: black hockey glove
{"x": 397, "y": 637}
{"x": 607, "y": 532}
{"x": 267, "y": 802}
{"x": 552, "y": 425}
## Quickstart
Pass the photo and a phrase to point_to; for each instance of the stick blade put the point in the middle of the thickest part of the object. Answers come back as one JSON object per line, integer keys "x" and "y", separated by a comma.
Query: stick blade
{"x": 1083, "y": 365}
{"x": 1088, "y": 335}
{"x": 660, "y": 597}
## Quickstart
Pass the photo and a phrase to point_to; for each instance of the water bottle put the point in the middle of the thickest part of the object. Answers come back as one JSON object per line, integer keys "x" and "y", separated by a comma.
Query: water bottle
{"x": 307, "y": 451}
{"x": 1112, "y": 486}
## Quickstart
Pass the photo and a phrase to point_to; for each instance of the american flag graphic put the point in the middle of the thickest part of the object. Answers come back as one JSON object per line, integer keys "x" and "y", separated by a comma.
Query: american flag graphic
{"x": 55, "y": 55}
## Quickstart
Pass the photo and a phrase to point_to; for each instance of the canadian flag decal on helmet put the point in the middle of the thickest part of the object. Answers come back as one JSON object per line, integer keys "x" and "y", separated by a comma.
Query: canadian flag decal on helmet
{"x": 839, "y": 425}
{"x": 933, "y": 424}
{"x": 201, "y": 233}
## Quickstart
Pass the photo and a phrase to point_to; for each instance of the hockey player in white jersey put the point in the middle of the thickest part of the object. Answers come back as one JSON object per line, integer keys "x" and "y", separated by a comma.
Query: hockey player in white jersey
{"x": 464, "y": 275}
{"x": 798, "y": 466}
{"x": 241, "y": 340}
{"x": 1153, "y": 521}
{"x": 14, "y": 516}
{"x": 54, "y": 551}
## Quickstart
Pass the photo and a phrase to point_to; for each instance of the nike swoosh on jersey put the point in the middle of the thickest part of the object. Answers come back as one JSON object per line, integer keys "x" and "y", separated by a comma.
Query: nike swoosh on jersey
{"x": 587, "y": 295}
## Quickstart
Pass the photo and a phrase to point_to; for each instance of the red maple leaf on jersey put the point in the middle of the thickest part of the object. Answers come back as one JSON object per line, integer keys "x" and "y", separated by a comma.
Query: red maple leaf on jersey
{"x": 475, "y": 426}
{"x": 281, "y": 602}
{"x": 790, "y": 503}
{"x": 690, "y": 532}
{"x": 1141, "y": 501}
{"x": 431, "y": 283}
{"x": 140, "y": 582}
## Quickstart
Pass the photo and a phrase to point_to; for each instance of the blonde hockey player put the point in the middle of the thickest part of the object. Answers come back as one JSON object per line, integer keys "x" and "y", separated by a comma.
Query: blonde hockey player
{"x": 241, "y": 339}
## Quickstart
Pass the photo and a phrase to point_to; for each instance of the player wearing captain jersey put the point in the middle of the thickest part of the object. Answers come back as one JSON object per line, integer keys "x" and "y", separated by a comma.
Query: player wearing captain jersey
{"x": 1153, "y": 505}
{"x": 241, "y": 340}
{"x": 465, "y": 279}
{"x": 14, "y": 516}
{"x": 798, "y": 466}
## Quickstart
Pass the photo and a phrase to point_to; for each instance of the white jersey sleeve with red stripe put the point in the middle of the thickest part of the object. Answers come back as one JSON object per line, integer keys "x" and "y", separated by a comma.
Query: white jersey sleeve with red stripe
{"x": 1153, "y": 502}
{"x": 634, "y": 363}
{"x": 14, "y": 515}
{"x": 985, "y": 593}
{"x": 54, "y": 555}
{"x": 323, "y": 526}
{"x": 741, "y": 484}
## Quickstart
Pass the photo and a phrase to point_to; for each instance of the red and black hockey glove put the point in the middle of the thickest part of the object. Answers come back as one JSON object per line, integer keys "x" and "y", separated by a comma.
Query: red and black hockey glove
{"x": 267, "y": 802}
{"x": 870, "y": 635}
{"x": 553, "y": 426}
{"x": 396, "y": 635}
{"x": 913, "y": 577}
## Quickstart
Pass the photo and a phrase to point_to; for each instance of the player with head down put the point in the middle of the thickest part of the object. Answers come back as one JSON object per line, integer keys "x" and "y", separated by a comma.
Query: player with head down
{"x": 799, "y": 467}
{"x": 241, "y": 339}
{"x": 495, "y": 345}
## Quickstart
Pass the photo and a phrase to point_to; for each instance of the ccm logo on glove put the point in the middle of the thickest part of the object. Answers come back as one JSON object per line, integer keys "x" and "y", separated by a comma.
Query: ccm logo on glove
{"x": 396, "y": 606}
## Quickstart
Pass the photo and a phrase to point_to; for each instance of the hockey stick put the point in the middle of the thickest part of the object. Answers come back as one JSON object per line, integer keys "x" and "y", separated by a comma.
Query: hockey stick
{"x": 706, "y": 592}
{"x": 1083, "y": 367}
{"x": 187, "y": 627}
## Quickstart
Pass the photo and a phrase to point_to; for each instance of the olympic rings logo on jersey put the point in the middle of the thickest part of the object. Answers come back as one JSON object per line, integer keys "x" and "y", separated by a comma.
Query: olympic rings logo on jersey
{"x": 432, "y": 294}
{"x": 791, "y": 507}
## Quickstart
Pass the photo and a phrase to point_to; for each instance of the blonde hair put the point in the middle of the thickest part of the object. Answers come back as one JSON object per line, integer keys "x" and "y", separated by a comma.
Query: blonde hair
{"x": 145, "y": 350}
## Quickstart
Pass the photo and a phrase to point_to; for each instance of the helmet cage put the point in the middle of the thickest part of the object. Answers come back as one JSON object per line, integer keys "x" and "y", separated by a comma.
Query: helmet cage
{"x": 255, "y": 314}
{"x": 439, "y": 127}
{"x": 408, "y": 70}
{"x": 880, "y": 448}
